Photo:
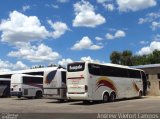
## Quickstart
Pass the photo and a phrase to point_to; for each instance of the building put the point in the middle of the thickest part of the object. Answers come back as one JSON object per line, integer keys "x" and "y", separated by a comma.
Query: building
{"x": 153, "y": 74}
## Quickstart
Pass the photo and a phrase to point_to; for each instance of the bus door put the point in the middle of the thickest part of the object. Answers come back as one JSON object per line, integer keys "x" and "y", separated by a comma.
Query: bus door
{"x": 144, "y": 80}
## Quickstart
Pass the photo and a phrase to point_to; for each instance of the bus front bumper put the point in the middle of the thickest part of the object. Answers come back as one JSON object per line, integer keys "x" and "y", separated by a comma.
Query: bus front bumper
{"x": 16, "y": 93}
{"x": 58, "y": 97}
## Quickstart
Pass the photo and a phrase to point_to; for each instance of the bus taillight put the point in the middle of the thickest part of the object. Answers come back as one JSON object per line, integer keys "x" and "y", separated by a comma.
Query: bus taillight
{"x": 86, "y": 88}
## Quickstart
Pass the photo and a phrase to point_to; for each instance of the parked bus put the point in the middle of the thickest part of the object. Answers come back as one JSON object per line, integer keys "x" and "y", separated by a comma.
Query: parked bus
{"x": 54, "y": 84}
{"x": 4, "y": 87}
{"x": 90, "y": 81}
{"x": 29, "y": 86}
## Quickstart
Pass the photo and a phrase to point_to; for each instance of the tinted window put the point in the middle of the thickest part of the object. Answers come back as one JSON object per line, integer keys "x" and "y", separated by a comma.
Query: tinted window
{"x": 114, "y": 71}
{"x": 27, "y": 80}
{"x": 4, "y": 82}
{"x": 95, "y": 69}
{"x": 101, "y": 70}
{"x": 5, "y": 76}
{"x": 134, "y": 74}
{"x": 75, "y": 67}
{"x": 63, "y": 77}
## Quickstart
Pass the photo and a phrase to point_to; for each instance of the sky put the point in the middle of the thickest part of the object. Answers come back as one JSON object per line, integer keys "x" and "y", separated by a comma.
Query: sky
{"x": 44, "y": 32}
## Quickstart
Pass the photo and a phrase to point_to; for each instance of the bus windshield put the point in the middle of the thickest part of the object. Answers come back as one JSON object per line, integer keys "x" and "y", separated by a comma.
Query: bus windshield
{"x": 74, "y": 67}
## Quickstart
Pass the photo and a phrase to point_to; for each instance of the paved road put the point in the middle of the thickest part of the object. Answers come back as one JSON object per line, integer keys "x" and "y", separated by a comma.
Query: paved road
{"x": 143, "y": 105}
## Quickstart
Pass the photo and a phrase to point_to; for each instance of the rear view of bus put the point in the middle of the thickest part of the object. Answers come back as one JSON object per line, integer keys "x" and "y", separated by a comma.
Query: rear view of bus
{"x": 29, "y": 86}
{"x": 76, "y": 81}
{"x": 54, "y": 84}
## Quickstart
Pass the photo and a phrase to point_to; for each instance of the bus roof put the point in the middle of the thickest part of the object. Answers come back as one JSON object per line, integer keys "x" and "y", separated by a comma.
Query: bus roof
{"x": 30, "y": 70}
{"x": 108, "y": 64}
{"x": 28, "y": 75}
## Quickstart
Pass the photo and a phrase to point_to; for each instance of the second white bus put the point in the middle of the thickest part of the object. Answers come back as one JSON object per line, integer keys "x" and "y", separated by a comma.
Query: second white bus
{"x": 89, "y": 81}
{"x": 29, "y": 86}
{"x": 54, "y": 84}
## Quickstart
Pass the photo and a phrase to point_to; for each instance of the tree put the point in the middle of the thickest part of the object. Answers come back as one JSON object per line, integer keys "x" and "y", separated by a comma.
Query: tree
{"x": 38, "y": 66}
{"x": 115, "y": 57}
{"x": 52, "y": 65}
{"x": 126, "y": 58}
{"x": 156, "y": 56}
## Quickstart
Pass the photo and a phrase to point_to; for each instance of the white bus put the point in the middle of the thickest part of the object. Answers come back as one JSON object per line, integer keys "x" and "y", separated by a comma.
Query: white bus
{"x": 5, "y": 87}
{"x": 54, "y": 84}
{"x": 29, "y": 86}
{"x": 89, "y": 81}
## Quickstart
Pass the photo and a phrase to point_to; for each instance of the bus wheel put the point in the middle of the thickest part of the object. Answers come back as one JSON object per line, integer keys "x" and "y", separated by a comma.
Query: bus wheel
{"x": 61, "y": 100}
{"x": 105, "y": 97}
{"x": 38, "y": 94}
{"x": 112, "y": 97}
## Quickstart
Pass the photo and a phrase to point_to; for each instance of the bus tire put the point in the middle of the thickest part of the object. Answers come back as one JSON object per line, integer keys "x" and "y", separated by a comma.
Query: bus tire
{"x": 105, "y": 97}
{"x": 61, "y": 100}
{"x": 4, "y": 93}
{"x": 38, "y": 94}
{"x": 112, "y": 97}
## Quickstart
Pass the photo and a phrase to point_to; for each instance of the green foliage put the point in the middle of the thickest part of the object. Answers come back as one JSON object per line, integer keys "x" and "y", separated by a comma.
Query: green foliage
{"x": 126, "y": 58}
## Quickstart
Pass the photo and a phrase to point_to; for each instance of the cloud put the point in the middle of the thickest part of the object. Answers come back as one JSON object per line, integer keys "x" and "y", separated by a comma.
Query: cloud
{"x": 25, "y": 7}
{"x": 150, "y": 17}
{"x": 55, "y": 6}
{"x": 86, "y": 16}
{"x": 135, "y": 5}
{"x": 38, "y": 53}
{"x": 157, "y": 37}
{"x": 62, "y": 1}
{"x": 21, "y": 28}
{"x": 86, "y": 43}
{"x": 98, "y": 38}
{"x": 59, "y": 29}
{"x": 149, "y": 49}
{"x": 52, "y": 5}
{"x": 19, "y": 65}
{"x": 118, "y": 34}
{"x": 8, "y": 66}
{"x": 144, "y": 42}
{"x": 109, "y": 7}
{"x": 64, "y": 62}
{"x": 88, "y": 59}
{"x": 155, "y": 25}
{"x": 102, "y": 1}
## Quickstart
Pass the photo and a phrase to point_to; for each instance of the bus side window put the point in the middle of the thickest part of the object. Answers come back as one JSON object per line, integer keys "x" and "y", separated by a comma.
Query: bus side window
{"x": 95, "y": 69}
